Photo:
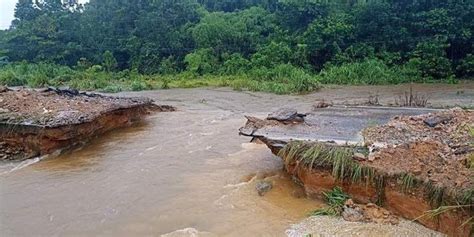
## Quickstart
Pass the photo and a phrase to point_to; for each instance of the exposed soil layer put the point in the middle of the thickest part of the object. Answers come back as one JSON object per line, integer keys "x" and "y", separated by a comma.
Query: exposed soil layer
{"x": 437, "y": 153}
{"x": 39, "y": 122}
{"x": 410, "y": 165}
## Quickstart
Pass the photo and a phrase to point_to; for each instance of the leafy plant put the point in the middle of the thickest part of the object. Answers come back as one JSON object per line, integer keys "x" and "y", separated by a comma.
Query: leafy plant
{"x": 335, "y": 200}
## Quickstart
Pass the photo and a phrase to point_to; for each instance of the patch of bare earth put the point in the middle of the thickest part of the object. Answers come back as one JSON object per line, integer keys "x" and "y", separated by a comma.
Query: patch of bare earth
{"x": 433, "y": 148}
{"x": 39, "y": 122}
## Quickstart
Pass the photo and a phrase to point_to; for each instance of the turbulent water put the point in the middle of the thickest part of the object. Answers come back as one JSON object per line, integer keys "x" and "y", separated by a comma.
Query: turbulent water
{"x": 185, "y": 173}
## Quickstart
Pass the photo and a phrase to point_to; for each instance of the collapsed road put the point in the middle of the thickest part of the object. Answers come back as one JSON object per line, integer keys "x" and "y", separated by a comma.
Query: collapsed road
{"x": 39, "y": 122}
{"x": 409, "y": 161}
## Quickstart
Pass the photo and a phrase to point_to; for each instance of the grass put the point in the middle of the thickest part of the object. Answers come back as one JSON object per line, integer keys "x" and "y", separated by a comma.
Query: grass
{"x": 368, "y": 72}
{"x": 335, "y": 200}
{"x": 335, "y": 158}
{"x": 444, "y": 209}
{"x": 408, "y": 182}
{"x": 338, "y": 159}
{"x": 280, "y": 80}
{"x": 435, "y": 194}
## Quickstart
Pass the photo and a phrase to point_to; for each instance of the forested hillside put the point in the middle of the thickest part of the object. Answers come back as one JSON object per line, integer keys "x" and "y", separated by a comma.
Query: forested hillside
{"x": 272, "y": 45}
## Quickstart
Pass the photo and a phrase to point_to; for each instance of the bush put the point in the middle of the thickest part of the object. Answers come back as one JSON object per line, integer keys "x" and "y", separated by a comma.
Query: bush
{"x": 201, "y": 62}
{"x": 466, "y": 68}
{"x": 235, "y": 65}
{"x": 368, "y": 72}
{"x": 9, "y": 78}
{"x": 296, "y": 78}
{"x": 430, "y": 59}
{"x": 139, "y": 86}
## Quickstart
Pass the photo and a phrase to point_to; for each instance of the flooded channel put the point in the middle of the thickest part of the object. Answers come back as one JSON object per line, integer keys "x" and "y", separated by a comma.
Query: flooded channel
{"x": 181, "y": 173}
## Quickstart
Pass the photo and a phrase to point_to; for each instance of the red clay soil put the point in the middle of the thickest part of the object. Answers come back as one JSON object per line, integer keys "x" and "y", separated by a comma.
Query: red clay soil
{"x": 39, "y": 122}
{"x": 55, "y": 107}
{"x": 410, "y": 206}
{"x": 440, "y": 154}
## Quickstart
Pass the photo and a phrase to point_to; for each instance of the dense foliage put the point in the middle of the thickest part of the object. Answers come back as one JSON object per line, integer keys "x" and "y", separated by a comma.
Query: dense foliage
{"x": 267, "y": 44}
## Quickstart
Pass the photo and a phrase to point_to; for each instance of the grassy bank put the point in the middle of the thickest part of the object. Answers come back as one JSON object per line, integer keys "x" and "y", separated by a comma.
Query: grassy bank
{"x": 282, "y": 79}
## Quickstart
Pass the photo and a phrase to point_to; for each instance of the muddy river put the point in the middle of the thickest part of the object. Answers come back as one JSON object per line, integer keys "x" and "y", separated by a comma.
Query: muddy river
{"x": 184, "y": 173}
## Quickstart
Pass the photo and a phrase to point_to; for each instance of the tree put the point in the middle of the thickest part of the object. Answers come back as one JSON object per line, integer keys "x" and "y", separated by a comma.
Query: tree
{"x": 25, "y": 10}
{"x": 325, "y": 38}
{"x": 201, "y": 62}
{"x": 271, "y": 55}
{"x": 430, "y": 59}
{"x": 110, "y": 63}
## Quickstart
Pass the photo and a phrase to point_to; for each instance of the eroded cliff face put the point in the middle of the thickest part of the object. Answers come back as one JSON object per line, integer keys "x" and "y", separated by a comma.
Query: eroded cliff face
{"x": 410, "y": 165}
{"x": 39, "y": 122}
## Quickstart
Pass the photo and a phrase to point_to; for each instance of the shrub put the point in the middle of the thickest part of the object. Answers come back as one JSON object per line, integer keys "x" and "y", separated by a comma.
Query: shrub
{"x": 201, "y": 62}
{"x": 9, "y": 78}
{"x": 138, "y": 86}
{"x": 430, "y": 59}
{"x": 368, "y": 72}
{"x": 235, "y": 65}
{"x": 466, "y": 68}
{"x": 296, "y": 78}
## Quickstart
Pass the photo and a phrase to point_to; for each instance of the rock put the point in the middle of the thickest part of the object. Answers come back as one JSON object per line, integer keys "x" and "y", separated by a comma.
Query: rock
{"x": 352, "y": 213}
{"x": 286, "y": 115}
{"x": 367, "y": 213}
{"x": 463, "y": 150}
{"x": 247, "y": 131}
{"x": 349, "y": 202}
{"x": 263, "y": 187}
{"x": 434, "y": 120}
{"x": 3, "y": 89}
{"x": 322, "y": 104}
{"x": 359, "y": 156}
{"x": 63, "y": 91}
{"x": 2, "y": 110}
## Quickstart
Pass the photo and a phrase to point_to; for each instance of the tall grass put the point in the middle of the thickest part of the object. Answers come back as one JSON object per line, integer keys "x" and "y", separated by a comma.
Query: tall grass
{"x": 279, "y": 79}
{"x": 368, "y": 72}
{"x": 284, "y": 79}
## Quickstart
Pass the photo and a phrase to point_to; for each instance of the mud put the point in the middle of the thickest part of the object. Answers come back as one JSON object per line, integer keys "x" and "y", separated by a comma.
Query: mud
{"x": 39, "y": 122}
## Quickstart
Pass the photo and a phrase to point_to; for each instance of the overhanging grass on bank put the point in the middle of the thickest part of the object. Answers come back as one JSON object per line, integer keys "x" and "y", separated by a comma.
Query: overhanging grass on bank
{"x": 282, "y": 79}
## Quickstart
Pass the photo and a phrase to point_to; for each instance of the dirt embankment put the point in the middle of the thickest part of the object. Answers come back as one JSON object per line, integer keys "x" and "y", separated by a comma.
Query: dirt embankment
{"x": 411, "y": 165}
{"x": 39, "y": 122}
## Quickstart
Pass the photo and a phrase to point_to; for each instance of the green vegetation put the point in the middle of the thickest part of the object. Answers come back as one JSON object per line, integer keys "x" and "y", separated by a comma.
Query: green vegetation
{"x": 408, "y": 182}
{"x": 285, "y": 79}
{"x": 281, "y": 46}
{"x": 320, "y": 155}
{"x": 435, "y": 213}
{"x": 335, "y": 199}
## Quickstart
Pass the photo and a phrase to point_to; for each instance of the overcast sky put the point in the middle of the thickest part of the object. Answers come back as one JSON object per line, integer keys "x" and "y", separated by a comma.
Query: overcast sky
{"x": 7, "y": 7}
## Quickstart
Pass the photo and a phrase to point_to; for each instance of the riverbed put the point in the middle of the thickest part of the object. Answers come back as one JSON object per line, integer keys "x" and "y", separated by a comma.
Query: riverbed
{"x": 183, "y": 172}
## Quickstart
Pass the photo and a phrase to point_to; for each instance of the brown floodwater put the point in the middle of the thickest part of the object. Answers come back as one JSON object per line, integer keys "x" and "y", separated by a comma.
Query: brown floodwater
{"x": 181, "y": 173}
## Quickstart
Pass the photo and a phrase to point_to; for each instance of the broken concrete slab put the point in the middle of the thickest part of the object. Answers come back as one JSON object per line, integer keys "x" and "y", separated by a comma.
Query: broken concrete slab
{"x": 340, "y": 124}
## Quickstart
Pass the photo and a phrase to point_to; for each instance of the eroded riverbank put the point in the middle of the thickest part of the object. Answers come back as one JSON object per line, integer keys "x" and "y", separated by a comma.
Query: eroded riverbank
{"x": 186, "y": 169}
